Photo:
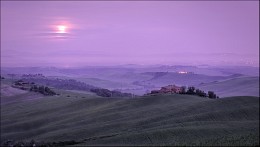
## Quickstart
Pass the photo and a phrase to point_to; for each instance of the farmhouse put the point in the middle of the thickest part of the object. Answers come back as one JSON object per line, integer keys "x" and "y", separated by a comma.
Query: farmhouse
{"x": 168, "y": 89}
{"x": 171, "y": 88}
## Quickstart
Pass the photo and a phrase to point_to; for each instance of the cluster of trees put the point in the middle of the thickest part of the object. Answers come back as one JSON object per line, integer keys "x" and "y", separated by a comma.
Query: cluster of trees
{"x": 43, "y": 90}
{"x": 102, "y": 92}
{"x": 20, "y": 83}
{"x": 193, "y": 91}
{"x": 107, "y": 93}
{"x": 211, "y": 94}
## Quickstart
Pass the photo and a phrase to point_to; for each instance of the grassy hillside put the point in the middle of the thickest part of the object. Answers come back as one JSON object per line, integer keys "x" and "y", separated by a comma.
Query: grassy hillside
{"x": 150, "y": 120}
{"x": 234, "y": 87}
{"x": 7, "y": 90}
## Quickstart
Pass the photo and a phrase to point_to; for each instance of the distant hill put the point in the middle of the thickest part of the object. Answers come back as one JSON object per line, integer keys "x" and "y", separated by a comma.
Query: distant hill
{"x": 160, "y": 79}
{"x": 245, "y": 70}
{"x": 106, "y": 83}
{"x": 149, "y": 120}
{"x": 102, "y": 71}
{"x": 138, "y": 79}
{"x": 243, "y": 86}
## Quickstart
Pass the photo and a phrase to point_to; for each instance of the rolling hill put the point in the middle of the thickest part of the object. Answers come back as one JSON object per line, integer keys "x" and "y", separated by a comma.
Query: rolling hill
{"x": 148, "y": 120}
{"x": 244, "y": 86}
{"x": 160, "y": 79}
{"x": 137, "y": 79}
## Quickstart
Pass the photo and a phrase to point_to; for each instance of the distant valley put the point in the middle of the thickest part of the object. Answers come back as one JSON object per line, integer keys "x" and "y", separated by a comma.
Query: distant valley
{"x": 139, "y": 79}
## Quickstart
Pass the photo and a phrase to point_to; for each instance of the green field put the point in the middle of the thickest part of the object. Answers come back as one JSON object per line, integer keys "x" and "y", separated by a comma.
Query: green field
{"x": 148, "y": 120}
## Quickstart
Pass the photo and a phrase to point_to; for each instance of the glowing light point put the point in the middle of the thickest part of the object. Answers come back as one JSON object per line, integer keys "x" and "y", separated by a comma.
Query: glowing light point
{"x": 182, "y": 72}
{"x": 61, "y": 29}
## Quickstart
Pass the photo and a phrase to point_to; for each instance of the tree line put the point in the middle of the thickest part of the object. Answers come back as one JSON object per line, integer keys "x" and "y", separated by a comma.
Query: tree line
{"x": 107, "y": 93}
{"x": 193, "y": 91}
{"x": 43, "y": 90}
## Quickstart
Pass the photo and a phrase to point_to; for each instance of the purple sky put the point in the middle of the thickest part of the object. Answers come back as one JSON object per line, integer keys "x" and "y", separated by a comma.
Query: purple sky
{"x": 125, "y": 32}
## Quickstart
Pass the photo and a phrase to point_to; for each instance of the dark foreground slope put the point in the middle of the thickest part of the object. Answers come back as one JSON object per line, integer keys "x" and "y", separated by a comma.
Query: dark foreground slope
{"x": 152, "y": 120}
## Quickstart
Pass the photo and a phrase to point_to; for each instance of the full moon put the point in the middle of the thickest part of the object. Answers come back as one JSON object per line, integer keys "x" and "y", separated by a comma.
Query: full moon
{"x": 61, "y": 29}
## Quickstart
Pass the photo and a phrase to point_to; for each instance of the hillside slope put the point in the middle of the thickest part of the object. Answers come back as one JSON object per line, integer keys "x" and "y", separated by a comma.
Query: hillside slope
{"x": 7, "y": 90}
{"x": 234, "y": 87}
{"x": 151, "y": 120}
{"x": 166, "y": 78}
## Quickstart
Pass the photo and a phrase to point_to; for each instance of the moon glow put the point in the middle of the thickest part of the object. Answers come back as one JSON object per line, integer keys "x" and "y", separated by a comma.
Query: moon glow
{"x": 62, "y": 29}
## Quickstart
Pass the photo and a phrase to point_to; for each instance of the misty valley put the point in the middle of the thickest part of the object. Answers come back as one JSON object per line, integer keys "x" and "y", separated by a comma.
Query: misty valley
{"x": 130, "y": 105}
